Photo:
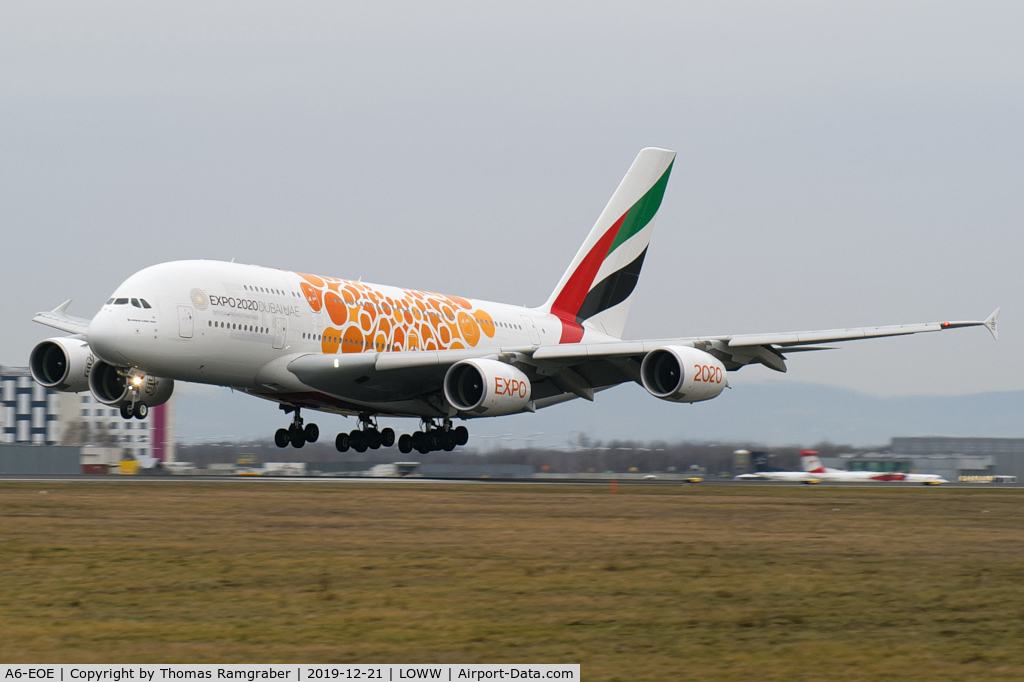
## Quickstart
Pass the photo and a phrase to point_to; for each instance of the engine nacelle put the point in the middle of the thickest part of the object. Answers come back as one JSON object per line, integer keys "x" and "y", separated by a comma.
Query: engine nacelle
{"x": 682, "y": 374}
{"x": 62, "y": 364}
{"x": 111, "y": 388}
{"x": 486, "y": 388}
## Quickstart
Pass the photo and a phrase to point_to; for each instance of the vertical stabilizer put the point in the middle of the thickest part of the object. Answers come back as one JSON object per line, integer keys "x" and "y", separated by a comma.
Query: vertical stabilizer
{"x": 810, "y": 462}
{"x": 596, "y": 291}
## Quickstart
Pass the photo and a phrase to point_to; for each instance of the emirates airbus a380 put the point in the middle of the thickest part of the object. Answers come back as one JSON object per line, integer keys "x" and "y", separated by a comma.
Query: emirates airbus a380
{"x": 320, "y": 343}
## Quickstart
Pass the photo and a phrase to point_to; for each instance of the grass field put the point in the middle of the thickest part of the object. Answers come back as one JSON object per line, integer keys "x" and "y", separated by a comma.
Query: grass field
{"x": 701, "y": 583}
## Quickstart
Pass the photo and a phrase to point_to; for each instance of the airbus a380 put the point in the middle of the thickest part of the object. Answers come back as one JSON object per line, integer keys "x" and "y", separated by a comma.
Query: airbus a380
{"x": 320, "y": 343}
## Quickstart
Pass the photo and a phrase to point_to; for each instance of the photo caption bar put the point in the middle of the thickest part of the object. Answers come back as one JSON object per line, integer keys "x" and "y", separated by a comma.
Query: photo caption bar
{"x": 447, "y": 672}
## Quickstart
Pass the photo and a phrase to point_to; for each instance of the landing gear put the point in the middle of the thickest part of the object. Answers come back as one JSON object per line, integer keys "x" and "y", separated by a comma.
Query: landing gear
{"x": 434, "y": 437}
{"x": 137, "y": 409}
{"x": 368, "y": 437}
{"x": 296, "y": 434}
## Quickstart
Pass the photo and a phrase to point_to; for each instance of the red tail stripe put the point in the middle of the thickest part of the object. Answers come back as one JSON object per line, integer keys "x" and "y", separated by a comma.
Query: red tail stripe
{"x": 575, "y": 290}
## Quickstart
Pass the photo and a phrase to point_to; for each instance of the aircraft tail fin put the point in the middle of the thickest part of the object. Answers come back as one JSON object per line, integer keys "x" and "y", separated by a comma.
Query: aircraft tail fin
{"x": 811, "y": 463}
{"x": 596, "y": 291}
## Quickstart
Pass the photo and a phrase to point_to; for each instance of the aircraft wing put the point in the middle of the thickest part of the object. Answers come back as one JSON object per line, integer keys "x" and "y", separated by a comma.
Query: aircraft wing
{"x": 570, "y": 370}
{"x": 738, "y": 350}
{"x": 58, "y": 319}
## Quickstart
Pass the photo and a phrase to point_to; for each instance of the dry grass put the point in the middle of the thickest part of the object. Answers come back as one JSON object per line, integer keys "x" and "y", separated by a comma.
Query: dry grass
{"x": 712, "y": 583}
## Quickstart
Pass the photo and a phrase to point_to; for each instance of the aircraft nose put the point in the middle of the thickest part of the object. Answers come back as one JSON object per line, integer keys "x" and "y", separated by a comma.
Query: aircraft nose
{"x": 102, "y": 336}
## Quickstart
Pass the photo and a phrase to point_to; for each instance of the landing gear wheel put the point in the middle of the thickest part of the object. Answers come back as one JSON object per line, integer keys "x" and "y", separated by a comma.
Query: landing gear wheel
{"x": 141, "y": 410}
{"x": 281, "y": 438}
{"x": 341, "y": 442}
{"x": 434, "y": 440}
{"x": 461, "y": 435}
{"x": 126, "y": 410}
{"x": 373, "y": 438}
{"x": 298, "y": 438}
{"x": 387, "y": 437}
{"x": 312, "y": 433}
{"x": 448, "y": 441}
{"x": 357, "y": 439}
{"x": 404, "y": 443}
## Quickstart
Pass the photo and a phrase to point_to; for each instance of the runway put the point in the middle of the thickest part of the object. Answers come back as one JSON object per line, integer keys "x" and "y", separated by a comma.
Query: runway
{"x": 416, "y": 480}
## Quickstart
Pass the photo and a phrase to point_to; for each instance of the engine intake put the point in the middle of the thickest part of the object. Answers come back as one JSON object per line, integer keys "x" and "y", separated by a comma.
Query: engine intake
{"x": 62, "y": 364}
{"x": 112, "y": 388}
{"x": 486, "y": 388}
{"x": 682, "y": 374}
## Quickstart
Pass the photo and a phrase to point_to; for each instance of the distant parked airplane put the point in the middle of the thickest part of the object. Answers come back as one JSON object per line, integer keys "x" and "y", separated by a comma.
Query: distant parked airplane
{"x": 813, "y": 466}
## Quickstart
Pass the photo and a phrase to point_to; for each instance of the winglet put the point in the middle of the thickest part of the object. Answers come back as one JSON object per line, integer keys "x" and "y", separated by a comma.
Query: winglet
{"x": 63, "y": 307}
{"x": 990, "y": 322}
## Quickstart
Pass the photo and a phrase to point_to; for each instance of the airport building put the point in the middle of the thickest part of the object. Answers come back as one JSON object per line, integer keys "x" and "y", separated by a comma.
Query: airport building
{"x": 33, "y": 415}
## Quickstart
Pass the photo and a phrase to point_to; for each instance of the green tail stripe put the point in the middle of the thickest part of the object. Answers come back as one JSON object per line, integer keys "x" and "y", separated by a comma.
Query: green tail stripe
{"x": 642, "y": 211}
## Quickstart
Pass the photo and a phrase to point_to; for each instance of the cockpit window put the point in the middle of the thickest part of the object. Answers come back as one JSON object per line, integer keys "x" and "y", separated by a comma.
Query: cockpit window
{"x": 110, "y": 301}
{"x": 145, "y": 304}
{"x": 120, "y": 301}
{"x": 135, "y": 303}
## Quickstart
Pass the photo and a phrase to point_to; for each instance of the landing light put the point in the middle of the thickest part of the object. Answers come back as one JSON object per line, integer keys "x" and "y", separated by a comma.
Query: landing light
{"x": 136, "y": 380}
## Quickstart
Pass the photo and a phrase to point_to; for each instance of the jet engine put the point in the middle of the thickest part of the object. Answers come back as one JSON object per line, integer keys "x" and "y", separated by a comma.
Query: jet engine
{"x": 682, "y": 374}
{"x": 62, "y": 364}
{"x": 110, "y": 387}
{"x": 486, "y": 388}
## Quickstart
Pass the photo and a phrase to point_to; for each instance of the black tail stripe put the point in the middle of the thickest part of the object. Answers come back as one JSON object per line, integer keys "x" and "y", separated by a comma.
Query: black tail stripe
{"x": 612, "y": 290}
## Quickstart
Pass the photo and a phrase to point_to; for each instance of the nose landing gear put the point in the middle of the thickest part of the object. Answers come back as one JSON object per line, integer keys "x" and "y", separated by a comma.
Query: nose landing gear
{"x": 296, "y": 434}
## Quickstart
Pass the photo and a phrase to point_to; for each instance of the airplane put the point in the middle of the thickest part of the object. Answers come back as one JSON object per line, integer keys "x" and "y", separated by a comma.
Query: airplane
{"x": 791, "y": 476}
{"x": 813, "y": 466}
{"x": 317, "y": 343}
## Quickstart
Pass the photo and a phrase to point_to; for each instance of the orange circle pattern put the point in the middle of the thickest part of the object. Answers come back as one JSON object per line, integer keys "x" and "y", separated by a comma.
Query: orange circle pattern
{"x": 366, "y": 320}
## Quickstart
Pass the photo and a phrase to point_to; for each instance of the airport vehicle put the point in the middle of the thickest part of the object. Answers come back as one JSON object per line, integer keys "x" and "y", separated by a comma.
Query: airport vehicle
{"x": 311, "y": 342}
{"x": 812, "y": 465}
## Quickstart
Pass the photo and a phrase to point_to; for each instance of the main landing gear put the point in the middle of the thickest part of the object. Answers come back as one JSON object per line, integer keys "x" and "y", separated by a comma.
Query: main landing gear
{"x": 433, "y": 437}
{"x": 368, "y": 436}
{"x": 296, "y": 434}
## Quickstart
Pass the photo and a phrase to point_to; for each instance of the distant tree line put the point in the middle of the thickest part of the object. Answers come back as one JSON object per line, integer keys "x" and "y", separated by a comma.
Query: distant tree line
{"x": 617, "y": 456}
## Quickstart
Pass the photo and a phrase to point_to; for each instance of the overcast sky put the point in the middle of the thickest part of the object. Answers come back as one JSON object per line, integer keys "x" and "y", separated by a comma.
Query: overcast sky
{"x": 838, "y": 164}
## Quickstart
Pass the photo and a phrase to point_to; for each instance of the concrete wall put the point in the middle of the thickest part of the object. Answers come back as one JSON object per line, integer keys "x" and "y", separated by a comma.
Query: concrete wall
{"x": 40, "y": 459}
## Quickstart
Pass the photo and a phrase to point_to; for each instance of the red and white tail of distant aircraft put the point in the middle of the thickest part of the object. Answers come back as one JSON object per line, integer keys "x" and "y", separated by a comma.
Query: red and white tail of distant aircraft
{"x": 812, "y": 465}
{"x": 311, "y": 342}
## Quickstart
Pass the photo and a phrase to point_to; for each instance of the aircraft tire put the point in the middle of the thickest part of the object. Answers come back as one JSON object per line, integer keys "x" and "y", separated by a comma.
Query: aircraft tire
{"x": 448, "y": 441}
{"x": 461, "y": 435}
{"x": 434, "y": 440}
{"x": 281, "y": 438}
{"x": 387, "y": 437}
{"x": 126, "y": 410}
{"x": 141, "y": 410}
{"x": 405, "y": 444}
{"x": 312, "y": 433}
{"x": 341, "y": 442}
{"x": 298, "y": 438}
{"x": 373, "y": 439}
{"x": 357, "y": 439}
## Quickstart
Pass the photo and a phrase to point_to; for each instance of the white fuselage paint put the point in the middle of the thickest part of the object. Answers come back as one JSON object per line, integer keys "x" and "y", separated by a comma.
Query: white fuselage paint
{"x": 218, "y": 323}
